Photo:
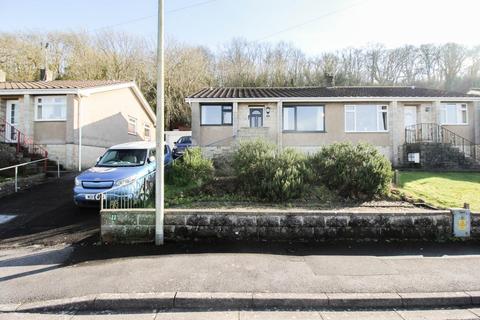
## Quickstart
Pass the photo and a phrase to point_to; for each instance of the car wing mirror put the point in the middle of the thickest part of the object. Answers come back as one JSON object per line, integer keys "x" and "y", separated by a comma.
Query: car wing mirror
{"x": 151, "y": 159}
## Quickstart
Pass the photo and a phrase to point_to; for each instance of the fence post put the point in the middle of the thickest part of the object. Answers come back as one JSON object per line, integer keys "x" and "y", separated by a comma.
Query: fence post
{"x": 58, "y": 169}
{"x": 16, "y": 178}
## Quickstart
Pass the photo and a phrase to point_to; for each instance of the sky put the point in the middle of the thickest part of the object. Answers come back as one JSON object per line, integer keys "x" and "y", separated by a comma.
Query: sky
{"x": 314, "y": 26}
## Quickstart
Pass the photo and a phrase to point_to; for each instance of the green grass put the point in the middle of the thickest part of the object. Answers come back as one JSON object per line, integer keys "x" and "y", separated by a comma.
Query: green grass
{"x": 443, "y": 189}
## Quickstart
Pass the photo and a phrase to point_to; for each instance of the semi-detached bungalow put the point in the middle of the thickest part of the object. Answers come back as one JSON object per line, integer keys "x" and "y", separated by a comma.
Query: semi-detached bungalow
{"x": 308, "y": 118}
{"x": 75, "y": 121}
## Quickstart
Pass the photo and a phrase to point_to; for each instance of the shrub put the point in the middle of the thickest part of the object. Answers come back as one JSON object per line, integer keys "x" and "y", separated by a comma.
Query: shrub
{"x": 355, "y": 171}
{"x": 267, "y": 174}
{"x": 192, "y": 169}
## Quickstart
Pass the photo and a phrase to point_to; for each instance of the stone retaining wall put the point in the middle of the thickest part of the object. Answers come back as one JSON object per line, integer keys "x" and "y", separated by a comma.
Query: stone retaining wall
{"x": 138, "y": 225}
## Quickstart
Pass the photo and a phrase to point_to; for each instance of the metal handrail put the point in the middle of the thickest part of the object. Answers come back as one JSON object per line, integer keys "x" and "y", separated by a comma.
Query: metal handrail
{"x": 432, "y": 132}
{"x": 20, "y": 165}
{"x": 22, "y": 139}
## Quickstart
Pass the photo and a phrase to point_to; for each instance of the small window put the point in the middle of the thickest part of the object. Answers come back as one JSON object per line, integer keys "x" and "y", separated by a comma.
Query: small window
{"x": 147, "y": 132}
{"x": 304, "y": 118}
{"x": 454, "y": 113}
{"x": 414, "y": 157}
{"x": 366, "y": 118}
{"x": 51, "y": 108}
{"x": 132, "y": 125}
{"x": 216, "y": 115}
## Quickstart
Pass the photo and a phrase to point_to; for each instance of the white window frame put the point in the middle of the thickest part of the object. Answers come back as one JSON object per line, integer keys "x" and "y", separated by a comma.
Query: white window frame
{"x": 134, "y": 121}
{"x": 295, "y": 117}
{"x": 461, "y": 107}
{"x": 146, "y": 127}
{"x": 354, "y": 111}
{"x": 64, "y": 104}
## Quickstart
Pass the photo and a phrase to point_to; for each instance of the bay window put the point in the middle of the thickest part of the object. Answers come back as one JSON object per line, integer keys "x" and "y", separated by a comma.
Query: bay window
{"x": 304, "y": 118}
{"x": 216, "y": 115}
{"x": 366, "y": 118}
{"x": 51, "y": 108}
{"x": 453, "y": 113}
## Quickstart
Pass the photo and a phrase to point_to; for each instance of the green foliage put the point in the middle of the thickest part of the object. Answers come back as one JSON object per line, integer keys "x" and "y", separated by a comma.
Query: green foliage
{"x": 267, "y": 174}
{"x": 355, "y": 171}
{"x": 192, "y": 169}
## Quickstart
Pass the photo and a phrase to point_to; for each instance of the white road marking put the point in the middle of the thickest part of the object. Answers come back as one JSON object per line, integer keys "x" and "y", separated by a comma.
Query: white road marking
{"x": 4, "y": 218}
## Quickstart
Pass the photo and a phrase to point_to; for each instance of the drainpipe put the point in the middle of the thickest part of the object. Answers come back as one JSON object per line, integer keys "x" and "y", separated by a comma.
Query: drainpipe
{"x": 80, "y": 96}
{"x": 79, "y": 134}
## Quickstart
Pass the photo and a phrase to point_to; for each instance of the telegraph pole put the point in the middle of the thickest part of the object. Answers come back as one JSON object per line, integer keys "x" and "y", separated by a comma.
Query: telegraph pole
{"x": 159, "y": 141}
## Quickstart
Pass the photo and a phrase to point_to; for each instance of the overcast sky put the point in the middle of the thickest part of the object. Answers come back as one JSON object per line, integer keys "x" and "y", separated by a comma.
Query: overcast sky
{"x": 314, "y": 26}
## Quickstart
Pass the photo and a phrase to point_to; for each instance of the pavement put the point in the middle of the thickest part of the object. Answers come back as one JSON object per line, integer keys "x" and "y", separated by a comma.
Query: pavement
{"x": 438, "y": 314}
{"x": 50, "y": 258}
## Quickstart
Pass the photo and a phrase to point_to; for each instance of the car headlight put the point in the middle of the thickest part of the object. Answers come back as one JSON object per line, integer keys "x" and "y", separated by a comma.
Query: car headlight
{"x": 123, "y": 182}
{"x": 77, "y": 181}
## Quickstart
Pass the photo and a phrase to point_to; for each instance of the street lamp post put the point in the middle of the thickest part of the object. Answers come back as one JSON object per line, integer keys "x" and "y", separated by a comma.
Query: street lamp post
{"x": 160, "y": 141}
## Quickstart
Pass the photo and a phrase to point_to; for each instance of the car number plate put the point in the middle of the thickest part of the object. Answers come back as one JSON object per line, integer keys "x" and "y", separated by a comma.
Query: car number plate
{"x": 89, "y": 197}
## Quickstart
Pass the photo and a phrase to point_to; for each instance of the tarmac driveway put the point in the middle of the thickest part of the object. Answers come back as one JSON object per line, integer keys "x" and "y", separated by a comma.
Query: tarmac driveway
{"x": 46, "y": 215}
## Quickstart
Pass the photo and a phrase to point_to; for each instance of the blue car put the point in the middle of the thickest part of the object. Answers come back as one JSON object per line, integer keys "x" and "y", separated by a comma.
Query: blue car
{"x": 181, "y": 145}
{"x": 121, "y": 165}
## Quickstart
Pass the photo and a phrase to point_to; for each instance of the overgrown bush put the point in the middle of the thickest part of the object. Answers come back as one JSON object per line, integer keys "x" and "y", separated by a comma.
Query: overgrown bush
{"x": 267, "y": 174}
{"x": 192, "y": 169}
{"x": 354, "y": 171}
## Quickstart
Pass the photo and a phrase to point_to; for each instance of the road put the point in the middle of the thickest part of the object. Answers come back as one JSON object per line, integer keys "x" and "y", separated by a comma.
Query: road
{"x": 51, "y": 251}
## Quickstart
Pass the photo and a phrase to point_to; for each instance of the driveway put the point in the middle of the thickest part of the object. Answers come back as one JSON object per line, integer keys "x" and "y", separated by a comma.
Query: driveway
{"x": 46, "y": 215}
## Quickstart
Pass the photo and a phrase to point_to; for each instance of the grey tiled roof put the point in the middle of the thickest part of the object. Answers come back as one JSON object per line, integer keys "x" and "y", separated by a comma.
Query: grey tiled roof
{"x": 57, "y": 84}
{"x": 323, "y": 92}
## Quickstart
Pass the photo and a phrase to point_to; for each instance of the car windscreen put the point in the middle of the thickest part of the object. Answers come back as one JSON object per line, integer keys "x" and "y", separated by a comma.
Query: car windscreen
{"x": 184, "y": 140}
{"x": 123, "y": 158}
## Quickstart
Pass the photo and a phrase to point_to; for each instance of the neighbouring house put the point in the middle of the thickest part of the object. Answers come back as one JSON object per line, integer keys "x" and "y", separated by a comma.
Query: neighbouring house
{"x": 409, "y": 125}
{"x": 75, "y": 121}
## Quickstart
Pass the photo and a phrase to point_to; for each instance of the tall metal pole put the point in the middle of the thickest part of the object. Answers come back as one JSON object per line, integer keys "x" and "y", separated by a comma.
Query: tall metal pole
{"x": 159, "y": 141}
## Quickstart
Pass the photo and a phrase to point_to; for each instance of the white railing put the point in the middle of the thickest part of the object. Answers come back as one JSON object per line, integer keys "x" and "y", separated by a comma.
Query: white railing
{"x": 15, "y": 167}
{"x": 139, "y": 193}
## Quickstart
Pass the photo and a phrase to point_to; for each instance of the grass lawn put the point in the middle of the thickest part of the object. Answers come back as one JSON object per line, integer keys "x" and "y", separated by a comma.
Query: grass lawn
{"x": 443, "y": 189}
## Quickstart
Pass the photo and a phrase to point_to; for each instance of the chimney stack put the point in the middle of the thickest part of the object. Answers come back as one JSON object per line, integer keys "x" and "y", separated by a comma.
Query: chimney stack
{"x": 329, "y": 79}
{"x": 3, "y": 76}
{"x": 46, "y": 75}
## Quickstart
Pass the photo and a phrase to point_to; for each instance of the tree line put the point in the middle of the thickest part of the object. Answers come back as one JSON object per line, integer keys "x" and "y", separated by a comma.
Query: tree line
{"x": 121, "y": 56}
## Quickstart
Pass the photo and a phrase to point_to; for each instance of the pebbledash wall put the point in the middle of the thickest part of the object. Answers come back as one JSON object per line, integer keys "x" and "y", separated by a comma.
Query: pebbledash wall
{"x": 138, "y": 225}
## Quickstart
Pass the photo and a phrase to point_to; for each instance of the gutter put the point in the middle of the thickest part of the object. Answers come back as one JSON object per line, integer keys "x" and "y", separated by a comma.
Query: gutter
{"x": 336, "y": 99}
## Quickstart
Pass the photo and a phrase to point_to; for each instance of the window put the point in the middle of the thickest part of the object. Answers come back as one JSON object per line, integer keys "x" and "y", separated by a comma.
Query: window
{"x": 132, "y": 125}
{"x": 304, "y": 118}
{"x": 453, "y": 113}
{"x": 147, "y": 132}
{"x": 51, "y": 108}
{"x": 366, "y": 118}
{"x": 215, "y": 115}
{"x": 123, "y": 158}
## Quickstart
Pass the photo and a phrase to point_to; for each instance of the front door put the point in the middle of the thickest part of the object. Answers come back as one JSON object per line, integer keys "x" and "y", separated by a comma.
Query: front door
{"x": 256, "y": 117}
{"x": 410, "y": 115}
{"x": 12, "y": 121}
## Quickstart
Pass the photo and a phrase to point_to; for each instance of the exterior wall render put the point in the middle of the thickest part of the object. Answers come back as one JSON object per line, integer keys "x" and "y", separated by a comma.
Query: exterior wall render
{"x": 387, "y": 143}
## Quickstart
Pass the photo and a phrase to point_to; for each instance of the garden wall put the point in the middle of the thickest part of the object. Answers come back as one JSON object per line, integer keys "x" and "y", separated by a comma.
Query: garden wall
{"x": 138, "y": 225}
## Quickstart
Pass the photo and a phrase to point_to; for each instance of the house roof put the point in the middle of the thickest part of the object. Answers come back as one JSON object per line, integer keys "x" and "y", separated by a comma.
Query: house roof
{"x": 322, "y": 92}
{"x": 81, "y": 88}
{"x": 57, "y": 84}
